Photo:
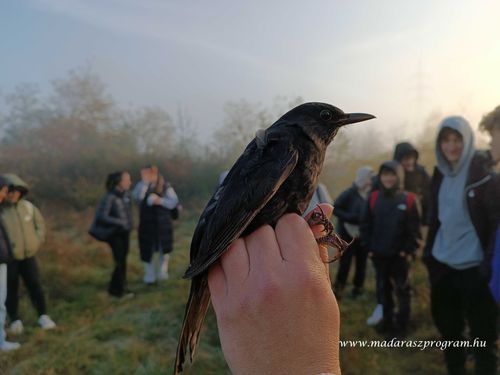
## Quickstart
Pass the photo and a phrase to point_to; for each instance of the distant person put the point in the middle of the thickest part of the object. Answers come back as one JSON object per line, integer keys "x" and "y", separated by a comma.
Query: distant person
{"x": 321, "y": 195}
{"x": 5, "y": 257}
{"x": 158, "y": 202}
{"x": 465, "y": 205}
{"x": 112, "y": 224}
{"x": 25, "y": 228}
{"x": 348, "y": 208}
{"x": 389, "y": 228}
{"x": 491, "y": 124}
{"x": 417, "y": 179}
{"x": 223, "y": 176}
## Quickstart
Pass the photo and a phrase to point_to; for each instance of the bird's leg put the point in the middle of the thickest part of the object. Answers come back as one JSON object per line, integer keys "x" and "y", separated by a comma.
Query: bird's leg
{"x": 333, "y": 240}
{"x": 330, "y": 238}
{"x": 319, "y": 217}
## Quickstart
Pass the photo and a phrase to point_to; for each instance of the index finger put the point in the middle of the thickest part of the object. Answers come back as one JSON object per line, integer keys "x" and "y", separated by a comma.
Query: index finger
{"x": 297, "y": 240}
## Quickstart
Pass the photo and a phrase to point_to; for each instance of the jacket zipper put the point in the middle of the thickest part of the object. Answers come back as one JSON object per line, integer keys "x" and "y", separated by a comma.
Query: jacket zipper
{"x": 478, "y": 183}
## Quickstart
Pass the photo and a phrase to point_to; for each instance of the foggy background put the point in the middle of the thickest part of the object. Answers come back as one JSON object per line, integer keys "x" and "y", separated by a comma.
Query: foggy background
{"x": 401, "y": 61}
{"x": 87, "y": 87}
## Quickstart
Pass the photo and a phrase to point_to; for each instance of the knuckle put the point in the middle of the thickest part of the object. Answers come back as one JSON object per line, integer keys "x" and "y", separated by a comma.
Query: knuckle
{"x": 292, "y": 221}
{"x": 264, "y": 230}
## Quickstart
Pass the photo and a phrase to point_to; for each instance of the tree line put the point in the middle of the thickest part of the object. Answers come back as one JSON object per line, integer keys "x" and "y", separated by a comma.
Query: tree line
{"x": 65, "y": 141}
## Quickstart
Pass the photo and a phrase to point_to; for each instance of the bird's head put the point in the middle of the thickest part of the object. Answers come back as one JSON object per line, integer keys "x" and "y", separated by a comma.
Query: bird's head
{"x": 321, "y": 121}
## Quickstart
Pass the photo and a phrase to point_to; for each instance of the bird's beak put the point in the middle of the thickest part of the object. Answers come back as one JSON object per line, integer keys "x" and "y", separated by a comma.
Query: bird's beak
{"x": 351, "y": 118}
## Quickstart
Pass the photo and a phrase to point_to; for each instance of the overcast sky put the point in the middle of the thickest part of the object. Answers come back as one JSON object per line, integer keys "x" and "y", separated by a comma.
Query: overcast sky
{"x": 399, "y": 60}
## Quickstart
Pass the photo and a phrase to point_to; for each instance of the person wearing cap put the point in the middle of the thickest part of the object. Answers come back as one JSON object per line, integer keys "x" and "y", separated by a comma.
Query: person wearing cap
{"x": 5, "y": 257}
{"x": 348, "y": 207}
{"x": 25, "y": 228}
{"x": 390, "y": 226}
{"x": 464, "y": 209}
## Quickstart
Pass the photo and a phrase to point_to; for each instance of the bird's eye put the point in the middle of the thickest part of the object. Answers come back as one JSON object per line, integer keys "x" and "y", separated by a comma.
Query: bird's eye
{"x": 325, "y": 115}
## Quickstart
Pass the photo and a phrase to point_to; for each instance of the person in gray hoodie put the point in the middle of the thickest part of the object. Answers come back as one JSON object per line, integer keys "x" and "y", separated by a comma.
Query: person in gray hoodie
{"x": 464, "y": 209}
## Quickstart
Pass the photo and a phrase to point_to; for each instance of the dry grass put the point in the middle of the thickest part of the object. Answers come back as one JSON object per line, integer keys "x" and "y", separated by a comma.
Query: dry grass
{"x": 97, "y": 335}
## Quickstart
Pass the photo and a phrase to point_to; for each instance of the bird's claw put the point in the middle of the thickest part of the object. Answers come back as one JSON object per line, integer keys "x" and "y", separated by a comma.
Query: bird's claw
{"x": 333, "y": 240}
{"x": 319, "y": 218}
{"x": 330, "y": 238}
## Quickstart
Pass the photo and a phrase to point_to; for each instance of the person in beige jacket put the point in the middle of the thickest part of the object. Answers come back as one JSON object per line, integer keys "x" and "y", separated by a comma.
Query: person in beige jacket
{"x": 25, "y": 228}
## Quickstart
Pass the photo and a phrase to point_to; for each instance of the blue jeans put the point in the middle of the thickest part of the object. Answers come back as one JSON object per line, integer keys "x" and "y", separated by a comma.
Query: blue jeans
{"x": 3, "y": 295}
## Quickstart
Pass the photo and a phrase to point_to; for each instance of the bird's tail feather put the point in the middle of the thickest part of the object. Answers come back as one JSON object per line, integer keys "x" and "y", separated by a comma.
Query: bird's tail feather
{"x": 196, "y": 309}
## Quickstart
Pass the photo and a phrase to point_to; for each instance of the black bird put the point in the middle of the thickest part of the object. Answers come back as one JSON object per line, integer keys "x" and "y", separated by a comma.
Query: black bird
{"x": 276, "y": 174}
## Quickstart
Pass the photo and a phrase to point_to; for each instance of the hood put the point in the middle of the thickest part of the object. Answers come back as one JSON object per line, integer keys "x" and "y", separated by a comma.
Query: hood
{"x": 16, "y": 181}
{"x": 463, "y": 127}
{"x": 397, "y": 168}
{"x": 363, "y": 175}
{"x": 402, "y": 149}
{"x": 3, "y": 182}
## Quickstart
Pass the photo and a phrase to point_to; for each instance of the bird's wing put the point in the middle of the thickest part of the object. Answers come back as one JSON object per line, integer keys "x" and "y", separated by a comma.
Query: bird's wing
{"x": 250, "y": 184}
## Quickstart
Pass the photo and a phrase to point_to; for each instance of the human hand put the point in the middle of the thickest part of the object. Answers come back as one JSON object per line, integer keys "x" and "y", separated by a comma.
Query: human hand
{"x": 276, "y": 312}
{"x": 155, "y": 199}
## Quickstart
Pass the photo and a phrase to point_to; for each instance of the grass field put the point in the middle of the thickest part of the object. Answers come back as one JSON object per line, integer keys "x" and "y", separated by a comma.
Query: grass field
{"x": 99, "y": 335}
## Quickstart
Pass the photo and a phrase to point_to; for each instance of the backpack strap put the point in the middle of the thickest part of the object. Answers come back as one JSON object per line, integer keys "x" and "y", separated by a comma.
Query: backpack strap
{"x": 29, "y": 207}
{"x": 410, "y": 200}
{"x": 373, "y": 199}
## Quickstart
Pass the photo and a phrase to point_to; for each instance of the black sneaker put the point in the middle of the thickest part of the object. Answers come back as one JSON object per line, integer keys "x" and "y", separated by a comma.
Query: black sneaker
{"x": 386, "y": 326}
{"x": 400, "y": 331}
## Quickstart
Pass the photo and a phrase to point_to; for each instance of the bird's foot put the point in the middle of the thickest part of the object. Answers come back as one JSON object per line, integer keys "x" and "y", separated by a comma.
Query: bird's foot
{"x": 330, "y": 238}
{"x": 335, "y": 241}
{"x": 319, "y": 218}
